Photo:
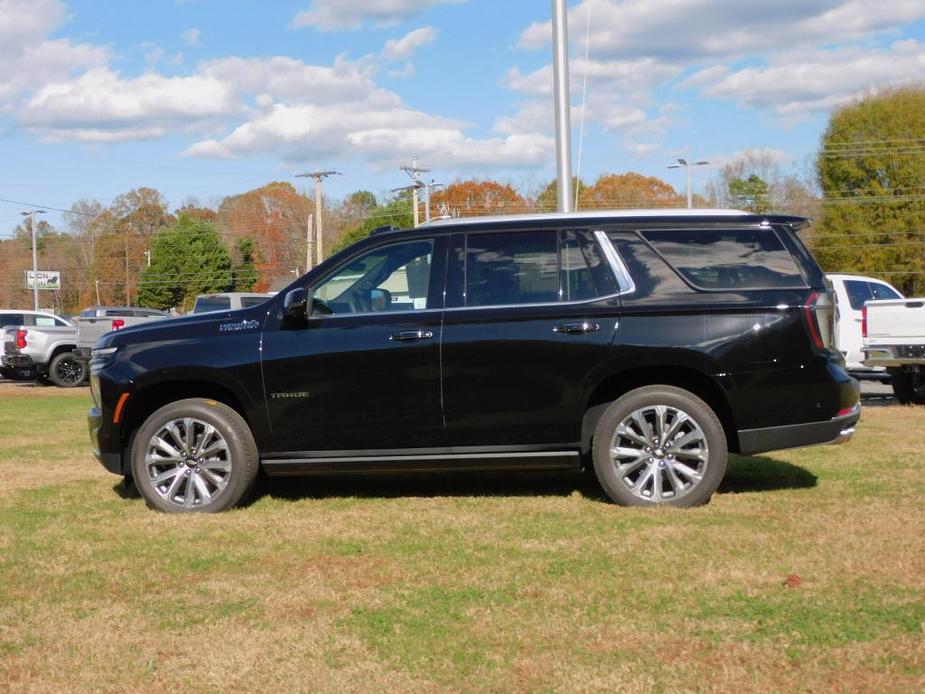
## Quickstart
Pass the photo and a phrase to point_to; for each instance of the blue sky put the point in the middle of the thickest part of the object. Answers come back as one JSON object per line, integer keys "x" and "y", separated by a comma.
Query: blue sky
{"x": 207, "y": 98}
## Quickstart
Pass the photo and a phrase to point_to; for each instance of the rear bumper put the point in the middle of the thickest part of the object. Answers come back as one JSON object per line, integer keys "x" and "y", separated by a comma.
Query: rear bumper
{"x": 18, "y": 361}
{"x": 834, "y": 431}
{"x": 894, "y": 355}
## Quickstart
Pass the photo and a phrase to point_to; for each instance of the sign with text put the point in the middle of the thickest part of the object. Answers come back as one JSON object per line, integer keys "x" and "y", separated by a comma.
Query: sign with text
{"x": 47, "y": 279}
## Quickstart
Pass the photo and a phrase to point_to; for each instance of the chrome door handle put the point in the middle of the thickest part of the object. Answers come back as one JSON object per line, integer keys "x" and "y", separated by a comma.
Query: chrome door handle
{"x": 411, "y": 335}
{"x": 577, "y": 328}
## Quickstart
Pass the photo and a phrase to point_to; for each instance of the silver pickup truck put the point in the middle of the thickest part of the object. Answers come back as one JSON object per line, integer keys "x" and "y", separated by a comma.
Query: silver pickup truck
{"x": 894, "y": 337}
{"x": 40, "y": 345}
{"x": 95, "y": 322}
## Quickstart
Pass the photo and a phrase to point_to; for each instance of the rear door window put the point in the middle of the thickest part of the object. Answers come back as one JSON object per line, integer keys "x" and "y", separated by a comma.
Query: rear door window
{"x": 513, "y": 268}
{"x": 728, "y": 259}
{"x": 858, "y": 292}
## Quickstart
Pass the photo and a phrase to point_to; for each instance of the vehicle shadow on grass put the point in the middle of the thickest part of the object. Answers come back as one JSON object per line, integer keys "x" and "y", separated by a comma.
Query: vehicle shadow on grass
{"x": 744, "y": 474}
{"x": 763, "y": 474}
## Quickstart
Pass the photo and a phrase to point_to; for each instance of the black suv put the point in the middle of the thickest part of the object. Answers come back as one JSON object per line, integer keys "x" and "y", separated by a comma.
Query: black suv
{"x": 647, "y": 344}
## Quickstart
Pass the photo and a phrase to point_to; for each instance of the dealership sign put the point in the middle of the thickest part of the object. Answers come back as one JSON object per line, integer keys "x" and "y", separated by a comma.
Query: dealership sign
{"x": 47, "y": 279}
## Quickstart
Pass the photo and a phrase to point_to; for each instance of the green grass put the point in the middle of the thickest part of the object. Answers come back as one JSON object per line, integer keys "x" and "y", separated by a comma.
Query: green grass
{"x": 475, "y": 583}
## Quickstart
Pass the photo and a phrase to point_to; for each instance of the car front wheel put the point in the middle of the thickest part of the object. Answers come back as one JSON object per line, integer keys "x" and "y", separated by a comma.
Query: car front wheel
{"x": 194, "y": 455}
{"x": 659, "y": 446}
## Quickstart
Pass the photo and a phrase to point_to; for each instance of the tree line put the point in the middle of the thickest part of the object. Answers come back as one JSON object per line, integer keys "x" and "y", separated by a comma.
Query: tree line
{"x": 865, "y": 192}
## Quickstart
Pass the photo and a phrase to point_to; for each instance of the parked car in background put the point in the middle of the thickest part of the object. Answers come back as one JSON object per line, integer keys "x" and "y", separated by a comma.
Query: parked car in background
{"x": 894, "y": 338}
{"x": 38, "y": 344}
{"x": 96, "y": 321}
{"x": 228, "y": 301}
{"x": 851, "y": 293}
{"x": 645, "y": 344}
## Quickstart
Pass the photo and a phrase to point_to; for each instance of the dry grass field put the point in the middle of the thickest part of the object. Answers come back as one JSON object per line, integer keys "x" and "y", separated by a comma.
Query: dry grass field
{"x": 807, "y": 572}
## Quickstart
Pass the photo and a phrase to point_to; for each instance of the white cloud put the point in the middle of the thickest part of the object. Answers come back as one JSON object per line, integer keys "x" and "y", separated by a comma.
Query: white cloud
{"x": 28, "y": 57}
{"x": 378, "y": 129}
{"x": 403, "y": 48}
{"x": 289, "y": 79}
{"x": 191, "y": 37}
{"x": 331, "y": 15}
{"x": 799, "y": 83}
{"x": 100, "y": 105}
{"x": 684, "y": 30}
{"x": 789, "y": 57}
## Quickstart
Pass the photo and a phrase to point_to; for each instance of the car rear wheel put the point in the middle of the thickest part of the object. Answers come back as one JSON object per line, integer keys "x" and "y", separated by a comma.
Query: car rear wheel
{"x": 194, "y": 455}
{"x": 67, "y": 372}
{"x": 659, "y": 446}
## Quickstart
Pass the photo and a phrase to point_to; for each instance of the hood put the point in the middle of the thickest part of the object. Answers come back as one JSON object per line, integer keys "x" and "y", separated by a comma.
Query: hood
{"x": 192, "y": 326}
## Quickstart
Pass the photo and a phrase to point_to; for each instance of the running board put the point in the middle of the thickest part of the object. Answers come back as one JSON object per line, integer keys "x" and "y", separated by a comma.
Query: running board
{"x": 437, "y": 462}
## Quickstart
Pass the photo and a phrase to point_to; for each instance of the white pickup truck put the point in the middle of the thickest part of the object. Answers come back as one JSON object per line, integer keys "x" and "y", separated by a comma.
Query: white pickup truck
{"x": 40, "y": 345}
{"x": 97, "y": 321}
{"x": 894, "y": 337}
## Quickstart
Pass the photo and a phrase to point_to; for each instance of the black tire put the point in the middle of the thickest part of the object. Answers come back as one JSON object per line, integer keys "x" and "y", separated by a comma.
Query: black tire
{"x": 67, "y": 372}
{"x": 660, "y": 465}
{"x": 240, "y": 455}
{"x": 903, "y": 386}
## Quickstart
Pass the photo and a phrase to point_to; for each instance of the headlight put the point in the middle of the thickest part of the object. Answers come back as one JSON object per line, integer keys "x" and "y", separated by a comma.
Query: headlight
{"x": 95, "y": 390}
{"x": 103, "y": 351}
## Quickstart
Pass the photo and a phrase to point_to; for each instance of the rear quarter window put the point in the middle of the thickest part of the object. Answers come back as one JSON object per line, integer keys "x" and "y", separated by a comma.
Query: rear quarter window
{"x": 728, "y": 259}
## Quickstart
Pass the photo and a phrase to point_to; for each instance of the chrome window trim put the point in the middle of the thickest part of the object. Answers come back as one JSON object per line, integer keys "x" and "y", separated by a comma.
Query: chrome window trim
{"x": 624, "y": 279}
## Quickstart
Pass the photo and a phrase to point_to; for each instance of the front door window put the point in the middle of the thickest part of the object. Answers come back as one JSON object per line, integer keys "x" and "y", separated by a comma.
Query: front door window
{"x": 388, "y": 278}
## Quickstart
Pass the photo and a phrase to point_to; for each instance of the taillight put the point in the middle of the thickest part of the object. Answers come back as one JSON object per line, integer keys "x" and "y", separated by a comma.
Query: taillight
{"x": 819, "y": 313}
{"x": 864, "y": 321}
{"x": 118, "y": 323}
{"x": 21, "y": 339}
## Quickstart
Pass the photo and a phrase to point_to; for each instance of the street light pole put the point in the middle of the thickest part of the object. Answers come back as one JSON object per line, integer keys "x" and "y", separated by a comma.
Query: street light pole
{"x": 565, "y": 198}
{"x": 35, "y": 258}
{"x": 684, "y": 163}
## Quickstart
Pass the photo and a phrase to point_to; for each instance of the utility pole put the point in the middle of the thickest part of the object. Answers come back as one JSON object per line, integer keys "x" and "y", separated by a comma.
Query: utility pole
{"x": 35, "y": 258}
{"x": 414, "y": 171}
{"x": 319, "y": 176}
{"x": 97, "y": 285}
{"x": 128, "y": 296}
{"x": 429, "y": 188}
{"x": 684, "y": 163}
{"x": 566, "y": 202}
{"x": 309, "y": 228}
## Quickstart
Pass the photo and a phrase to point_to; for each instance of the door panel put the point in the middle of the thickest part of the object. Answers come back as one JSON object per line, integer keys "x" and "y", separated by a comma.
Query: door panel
{"x": 510, "y": 377}
{"x": 364, "y": 375}
{"x": 346, "y": 384}
{"x": 517, "y": 374}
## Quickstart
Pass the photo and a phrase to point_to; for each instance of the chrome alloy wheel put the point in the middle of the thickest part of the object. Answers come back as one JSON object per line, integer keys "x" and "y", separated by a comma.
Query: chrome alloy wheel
{"x": 188, "y": 463}
{"x": 660, "y": 453}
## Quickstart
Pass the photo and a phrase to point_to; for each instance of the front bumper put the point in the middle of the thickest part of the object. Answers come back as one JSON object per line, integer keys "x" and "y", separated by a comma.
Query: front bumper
{"x": 99, "y": 437}
{"x": 834, "y": 431}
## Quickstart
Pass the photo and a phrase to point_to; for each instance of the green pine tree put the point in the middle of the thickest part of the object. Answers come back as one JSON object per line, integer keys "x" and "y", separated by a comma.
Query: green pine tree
{"x": 245, "y": 271}
{"x": 187, "y": 259}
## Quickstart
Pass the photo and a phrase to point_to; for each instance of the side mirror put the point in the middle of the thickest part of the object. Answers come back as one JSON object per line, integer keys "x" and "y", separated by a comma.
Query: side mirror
{"x": 295, "y": 309}
{"x": 380, "y": 299}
